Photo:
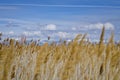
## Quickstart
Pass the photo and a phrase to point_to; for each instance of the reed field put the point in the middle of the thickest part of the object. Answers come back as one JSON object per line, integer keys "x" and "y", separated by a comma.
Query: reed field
{"x": 77, "y": 60}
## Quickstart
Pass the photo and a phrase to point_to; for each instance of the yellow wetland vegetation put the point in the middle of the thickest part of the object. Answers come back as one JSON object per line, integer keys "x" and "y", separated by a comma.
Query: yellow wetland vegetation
{"x": 77, "y": 60}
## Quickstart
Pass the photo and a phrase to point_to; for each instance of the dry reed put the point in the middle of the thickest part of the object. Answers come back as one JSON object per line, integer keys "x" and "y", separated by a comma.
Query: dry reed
{"x": 78, "y": 60}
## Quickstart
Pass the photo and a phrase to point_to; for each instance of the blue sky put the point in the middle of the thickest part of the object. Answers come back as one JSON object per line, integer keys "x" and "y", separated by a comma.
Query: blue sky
{"x": 65, "y": 2}
{"x": 58, "y": 18}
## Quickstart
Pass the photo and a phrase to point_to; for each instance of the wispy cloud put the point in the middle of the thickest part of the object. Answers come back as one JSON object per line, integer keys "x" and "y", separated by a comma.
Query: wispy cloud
{"x": 7, "y": 7}
{"x": 69, "y": 6}
{"x": 15, "y": 20}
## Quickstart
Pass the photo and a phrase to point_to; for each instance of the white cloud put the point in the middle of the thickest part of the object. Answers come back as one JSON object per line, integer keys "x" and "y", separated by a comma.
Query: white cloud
{"x": 62, "y": 34}
{"x": 11, "y": 32}
{"x": 74, "y": 28}
{"x": 33, "y": 33}
{"x": 95, "y": 26}
{"x": 107, "y": 26}
{"x": 51, "y": 27}
{"x": 36, "y": 32}
{"x": 26, "y": 33}
{"x": 66, "y": 35}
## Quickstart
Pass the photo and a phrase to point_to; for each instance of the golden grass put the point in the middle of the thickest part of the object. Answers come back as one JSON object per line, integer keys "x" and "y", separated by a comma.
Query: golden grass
{"x": 78, "y": 60}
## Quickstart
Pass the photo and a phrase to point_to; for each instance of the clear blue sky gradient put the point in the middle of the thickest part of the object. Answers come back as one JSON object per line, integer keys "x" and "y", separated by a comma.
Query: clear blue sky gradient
{"x": 63, "y": 13}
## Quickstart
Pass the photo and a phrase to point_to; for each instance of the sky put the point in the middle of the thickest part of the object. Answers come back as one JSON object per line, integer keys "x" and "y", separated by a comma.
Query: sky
{"x": 64, "y": 19}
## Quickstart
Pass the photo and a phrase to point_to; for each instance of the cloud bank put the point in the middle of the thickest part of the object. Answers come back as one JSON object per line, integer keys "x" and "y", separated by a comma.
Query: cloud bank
{"x": 55, "y": 31}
